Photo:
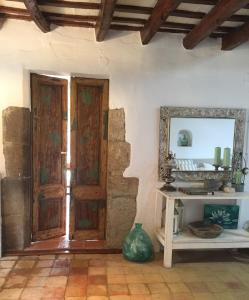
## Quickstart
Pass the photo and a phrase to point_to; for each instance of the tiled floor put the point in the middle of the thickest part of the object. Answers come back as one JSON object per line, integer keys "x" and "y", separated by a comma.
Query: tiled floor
{"x": 109, "y": 276}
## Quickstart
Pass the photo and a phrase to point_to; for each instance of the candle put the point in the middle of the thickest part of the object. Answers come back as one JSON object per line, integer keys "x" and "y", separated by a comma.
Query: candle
{"x": 217, "y": 156}
{"x": 227, "y": 157}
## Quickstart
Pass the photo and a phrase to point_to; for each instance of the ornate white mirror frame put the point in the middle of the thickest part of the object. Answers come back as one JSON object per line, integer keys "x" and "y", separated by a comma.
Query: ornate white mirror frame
{"x": 166, "y": 113}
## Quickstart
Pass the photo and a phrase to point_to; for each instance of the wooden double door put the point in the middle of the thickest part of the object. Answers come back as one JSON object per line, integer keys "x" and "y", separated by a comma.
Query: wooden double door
{"x": 86, "y": 160}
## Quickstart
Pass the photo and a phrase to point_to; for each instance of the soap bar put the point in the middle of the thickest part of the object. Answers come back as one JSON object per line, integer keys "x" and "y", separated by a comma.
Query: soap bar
{"x": 228, "y": 189}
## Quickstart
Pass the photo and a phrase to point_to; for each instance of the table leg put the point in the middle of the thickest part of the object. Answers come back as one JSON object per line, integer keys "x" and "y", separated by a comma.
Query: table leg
{"x": 158, "y": 218}
{"x": 168, "y": 246}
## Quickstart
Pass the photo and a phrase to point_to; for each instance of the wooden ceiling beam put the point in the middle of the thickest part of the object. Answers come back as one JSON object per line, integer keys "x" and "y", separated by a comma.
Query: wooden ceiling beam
{"x": 36, "y": 15}
{"x": 161, "y": 11}
{"x": 105, "y": 19}
{"x": 220, "y": 13}
{"x": 236, "y": 38}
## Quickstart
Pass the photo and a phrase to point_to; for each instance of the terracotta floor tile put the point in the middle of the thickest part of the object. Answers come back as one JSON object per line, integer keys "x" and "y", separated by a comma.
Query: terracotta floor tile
{"x": 44, "y": 263}
{"x": 78, "y": 271}
{"x": 25, "y": 264}
{"x": 161, "y": 297}
{"x": 36, "y": 281}
{"x": 153, "y": 278}
{"x": 75, "y": 298}
{"x": 224, "y": 296}
{"x": 59, "y": 272}
{"x": 77, "y": 280}
{"x": 97, "y": 279}
{"x": 97, "y": 263}
{"x": 96, "y": 290}
{"x": 115, "y": 270}
{"x": 114, "y": 264}
{"x": 98, "y": 298}
{"x": 171, "y": 277}
{"x": 183, "y": 296}
{"x": 75, "y": 291}
{"x": 158, "y": 288}
{"x": 97, "y": 271}
{"x": 32, "y": 293}
{"x": 204, "y": 296}
{"x": 131, "y": 270}
{"x": 134, "y": 278}
{"x": 79, "y": 263}
{"x": 143, "y": 297}
{"x": 7, "y": 264}
{"x": 240, "y": 295}
{"x": 197, "y": 287}
{"x": 53, "y": 293}
{"x": 15, "y": 282}
{"x": 4, "y": 272}
{"x": 118, "y": 289}
{"x": 225, "y": 277}
{"x": 178, "y": 288}
{"x": 120, "y": 297}
{"x": 41, "y": 271}
{"x": 56, "y": 281}
{"x": 10, "y": 294}
{"x": 116, "y": 279}
{"x": 2, "y": 281}
{"x": 62, "y": 263}
{"x": 9, "y": 258}
{"x": 138, "y": 289}
{"x": 216, "y": 287}
{"x": 237, "y": 285}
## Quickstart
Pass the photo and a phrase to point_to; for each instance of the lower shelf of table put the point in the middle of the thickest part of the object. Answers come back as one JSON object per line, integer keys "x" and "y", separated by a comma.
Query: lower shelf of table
{"x": 230, "y": 238}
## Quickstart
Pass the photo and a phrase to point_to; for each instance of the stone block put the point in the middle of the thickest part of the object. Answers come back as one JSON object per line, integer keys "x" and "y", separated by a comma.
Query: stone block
{"x": 118, "y": 156}
{"x": 116, "y": 125}
{"x": 13, "y": 233}
{"x": 119, "y": 186}
{"x": 16, "y": 125}
{"x": 17, "y": 159}
{"x": 121, "y": 214}
{"x": 16, "y": 213}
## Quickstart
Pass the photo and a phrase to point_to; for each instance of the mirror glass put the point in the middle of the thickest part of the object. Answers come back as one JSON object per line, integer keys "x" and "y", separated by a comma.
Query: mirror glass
{"x": 193, "y": 140}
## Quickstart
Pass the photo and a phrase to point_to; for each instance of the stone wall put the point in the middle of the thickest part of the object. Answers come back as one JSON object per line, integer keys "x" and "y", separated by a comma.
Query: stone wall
{"x": 16, "y": 221}
{"x": 121, "y": 191}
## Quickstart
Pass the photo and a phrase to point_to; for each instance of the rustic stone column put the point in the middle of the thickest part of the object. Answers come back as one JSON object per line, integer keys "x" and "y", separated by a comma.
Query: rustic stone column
{"x": 16, "y": 185}
{"x": 121, "y": 191}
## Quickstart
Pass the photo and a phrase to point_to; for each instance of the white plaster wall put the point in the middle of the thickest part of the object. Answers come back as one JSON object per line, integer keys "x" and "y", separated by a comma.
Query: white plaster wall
{"x": 142, "y": 78}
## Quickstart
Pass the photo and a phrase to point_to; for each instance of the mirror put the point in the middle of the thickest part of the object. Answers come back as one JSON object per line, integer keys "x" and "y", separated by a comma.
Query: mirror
{"x": 194, "y": 133}
{"x": 193, "y": 141}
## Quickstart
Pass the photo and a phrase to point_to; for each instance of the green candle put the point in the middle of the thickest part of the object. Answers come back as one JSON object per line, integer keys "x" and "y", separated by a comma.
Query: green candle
{"x": 217, "y": 156}
{"x": 227, "y": 157}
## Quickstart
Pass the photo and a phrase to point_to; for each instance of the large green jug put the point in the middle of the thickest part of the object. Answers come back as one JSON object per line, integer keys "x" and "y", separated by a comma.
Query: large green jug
{"x": 137, "y": 245}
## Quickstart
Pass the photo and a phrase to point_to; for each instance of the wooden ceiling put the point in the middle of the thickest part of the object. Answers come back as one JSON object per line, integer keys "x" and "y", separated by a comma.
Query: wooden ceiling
{"x": 197, "y": 19}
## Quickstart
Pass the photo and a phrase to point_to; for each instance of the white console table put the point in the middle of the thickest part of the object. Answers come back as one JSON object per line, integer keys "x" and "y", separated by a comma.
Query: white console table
{"x": 232, "y": 238}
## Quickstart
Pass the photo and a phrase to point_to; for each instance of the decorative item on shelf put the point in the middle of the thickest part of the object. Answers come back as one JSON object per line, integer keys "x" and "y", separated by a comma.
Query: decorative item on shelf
{"x": 205, "y": 230}
{"x": 224, "y": 215}
{"x": 179, "y": 206}
{"x": 240, "y": 173}
{"x": 226, "y": 163}
{"x": 226, "y": 180}
{"x": 246, "y": 226}
{"x": 217, "y": 158}
{"x": 137, "y": 245}
{"x": 184, "y": 138}
{"x": 176, "y": 222}
{"x": 170, "y": 164}
{"x": 212, "y": 184}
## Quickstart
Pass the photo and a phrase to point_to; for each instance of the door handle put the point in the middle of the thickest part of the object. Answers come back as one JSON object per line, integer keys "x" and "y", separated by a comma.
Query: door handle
{"x": 63, "y": 153}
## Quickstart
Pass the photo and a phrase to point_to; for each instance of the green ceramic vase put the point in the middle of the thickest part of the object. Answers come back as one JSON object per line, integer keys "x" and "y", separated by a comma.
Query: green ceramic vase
{"x": 137, "y": 245}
